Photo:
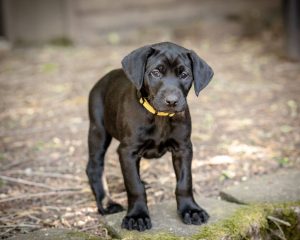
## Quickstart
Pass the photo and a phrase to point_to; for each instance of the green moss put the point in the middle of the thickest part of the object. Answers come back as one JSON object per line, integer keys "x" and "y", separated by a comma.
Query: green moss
{"x": 148, "y": 236}
{"x": 289, "y": 215}
{"x": 134, "y": 235}
{"x": 39, "y": 146}
{"x": 82, "y": 235}
{"x": 49, "y": 67}
{"x": 1, "y": 183}
{"x": 237, "y": 226}
{"x": 61, "y": 42}
{"x": 249, "y": 220}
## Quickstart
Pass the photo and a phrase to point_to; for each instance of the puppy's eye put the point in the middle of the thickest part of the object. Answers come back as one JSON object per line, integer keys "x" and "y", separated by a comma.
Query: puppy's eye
{"x": 184, "y": 75}
{"x": 156, "y": 73}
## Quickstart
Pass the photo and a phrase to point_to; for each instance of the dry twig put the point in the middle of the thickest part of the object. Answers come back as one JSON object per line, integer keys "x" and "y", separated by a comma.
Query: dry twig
{"x": 22, "y": 181}
{"x": 40, "y": 195}
{"x": 277, "y": 222}
{"x": 46, "y": 174}
{"x": 90, "y": 227}
{"x": 6, "y": 231}
{"x": 14, "y": 164}
{"x": 21, "y": 225}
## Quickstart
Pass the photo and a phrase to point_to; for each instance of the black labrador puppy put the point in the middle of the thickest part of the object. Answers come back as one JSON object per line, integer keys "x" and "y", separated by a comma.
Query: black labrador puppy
{"x": 144, "y": 106}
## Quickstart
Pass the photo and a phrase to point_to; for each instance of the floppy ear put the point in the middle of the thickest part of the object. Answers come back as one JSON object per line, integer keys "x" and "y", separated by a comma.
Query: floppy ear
{"x": 134, "y": 65}
{"x": 202, "y": 72}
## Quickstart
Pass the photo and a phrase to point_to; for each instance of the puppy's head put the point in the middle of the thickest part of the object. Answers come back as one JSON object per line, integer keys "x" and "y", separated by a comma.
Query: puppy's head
{"x": 164, "y": 74}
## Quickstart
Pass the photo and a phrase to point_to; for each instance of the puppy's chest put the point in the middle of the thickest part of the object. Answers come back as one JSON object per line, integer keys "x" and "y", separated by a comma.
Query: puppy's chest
{"x": 157, "y": 141}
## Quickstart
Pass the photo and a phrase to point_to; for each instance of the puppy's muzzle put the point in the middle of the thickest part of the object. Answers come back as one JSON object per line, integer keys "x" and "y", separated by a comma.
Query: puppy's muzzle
{"x": 170, "y": 100}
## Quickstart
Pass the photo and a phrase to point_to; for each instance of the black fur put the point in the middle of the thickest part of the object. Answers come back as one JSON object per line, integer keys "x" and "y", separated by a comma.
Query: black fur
{"x": 162, "y": 73}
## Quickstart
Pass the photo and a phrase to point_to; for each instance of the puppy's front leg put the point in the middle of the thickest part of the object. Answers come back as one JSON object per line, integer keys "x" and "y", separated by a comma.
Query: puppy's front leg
{"x": 137, "y": 217}
{"x": 188, "y": 209}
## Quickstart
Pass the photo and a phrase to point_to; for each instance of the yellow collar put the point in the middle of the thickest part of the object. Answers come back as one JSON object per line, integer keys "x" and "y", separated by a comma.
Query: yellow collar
{"x": 151, "y": 109}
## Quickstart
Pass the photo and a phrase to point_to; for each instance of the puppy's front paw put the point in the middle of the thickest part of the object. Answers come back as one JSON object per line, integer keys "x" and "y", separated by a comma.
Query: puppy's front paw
{"x": 139, "y": 222}
{"x": 194, "y": 216}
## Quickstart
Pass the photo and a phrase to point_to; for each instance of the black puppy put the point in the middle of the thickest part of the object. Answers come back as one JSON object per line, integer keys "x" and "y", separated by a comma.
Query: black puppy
{"x": 144, "y": 106}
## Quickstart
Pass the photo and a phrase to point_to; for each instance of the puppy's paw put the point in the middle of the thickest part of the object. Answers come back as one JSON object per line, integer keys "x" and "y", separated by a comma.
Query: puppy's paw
{"x": 140, "y": 223}
{"x": 114, "y": 207}
{"x": 194, "y": 216}
{"x": 111, "y": 208}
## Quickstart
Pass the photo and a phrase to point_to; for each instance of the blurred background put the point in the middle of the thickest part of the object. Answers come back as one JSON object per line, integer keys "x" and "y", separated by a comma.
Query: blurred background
{"x": 245, "y": 123}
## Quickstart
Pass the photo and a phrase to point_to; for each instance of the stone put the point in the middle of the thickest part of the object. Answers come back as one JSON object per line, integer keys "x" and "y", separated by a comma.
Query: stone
{"x": 165, "y": 220}
{"x": 55, "y": 234}
{"x": 279, "y": 187}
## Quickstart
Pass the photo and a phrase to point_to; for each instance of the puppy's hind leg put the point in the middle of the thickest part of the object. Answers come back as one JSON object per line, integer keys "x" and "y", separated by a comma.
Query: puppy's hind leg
{"x": 98, "y": 142}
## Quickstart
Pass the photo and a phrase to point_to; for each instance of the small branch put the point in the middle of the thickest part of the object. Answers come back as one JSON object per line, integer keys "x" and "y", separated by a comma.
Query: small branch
{"x": 41, "y": 195}
{"x": 46, "y": 174}
{"x": 90, "y": 227}
{"x": 41, "y": 185}
{"x": 20, "y": 225}
{"x": 22, "y": 181}
{"x": 56, "y": 175}
{"x": 274, "y": 219}
{"x": 14, "y": 164}
{"x": 38, "y": 220}
{"x": 6, "y": 231}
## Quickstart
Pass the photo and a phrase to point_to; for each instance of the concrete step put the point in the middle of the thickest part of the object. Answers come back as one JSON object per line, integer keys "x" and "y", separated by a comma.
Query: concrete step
{"x": 279, "y": 187}
{"x": 165, "y": 219}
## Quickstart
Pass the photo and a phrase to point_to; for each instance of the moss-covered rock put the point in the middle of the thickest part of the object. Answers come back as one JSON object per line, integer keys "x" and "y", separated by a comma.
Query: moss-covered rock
{"x": 251, "y": 222}
{"x": 257, "y": 221}
{"x": 166, "y": 221}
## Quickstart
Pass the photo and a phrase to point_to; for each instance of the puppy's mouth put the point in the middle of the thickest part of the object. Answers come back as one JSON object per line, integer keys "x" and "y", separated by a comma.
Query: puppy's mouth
{"x": 160, "y": 107}
{"x": 169, "y": 110}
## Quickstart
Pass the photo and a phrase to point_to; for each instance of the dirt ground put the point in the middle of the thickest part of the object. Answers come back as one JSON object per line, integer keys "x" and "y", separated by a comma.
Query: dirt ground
{"x": 245, "y": 123}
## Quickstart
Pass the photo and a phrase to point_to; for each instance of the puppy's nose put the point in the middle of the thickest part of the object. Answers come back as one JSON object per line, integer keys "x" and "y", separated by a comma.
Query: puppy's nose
{"x": 172, "y": 100}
